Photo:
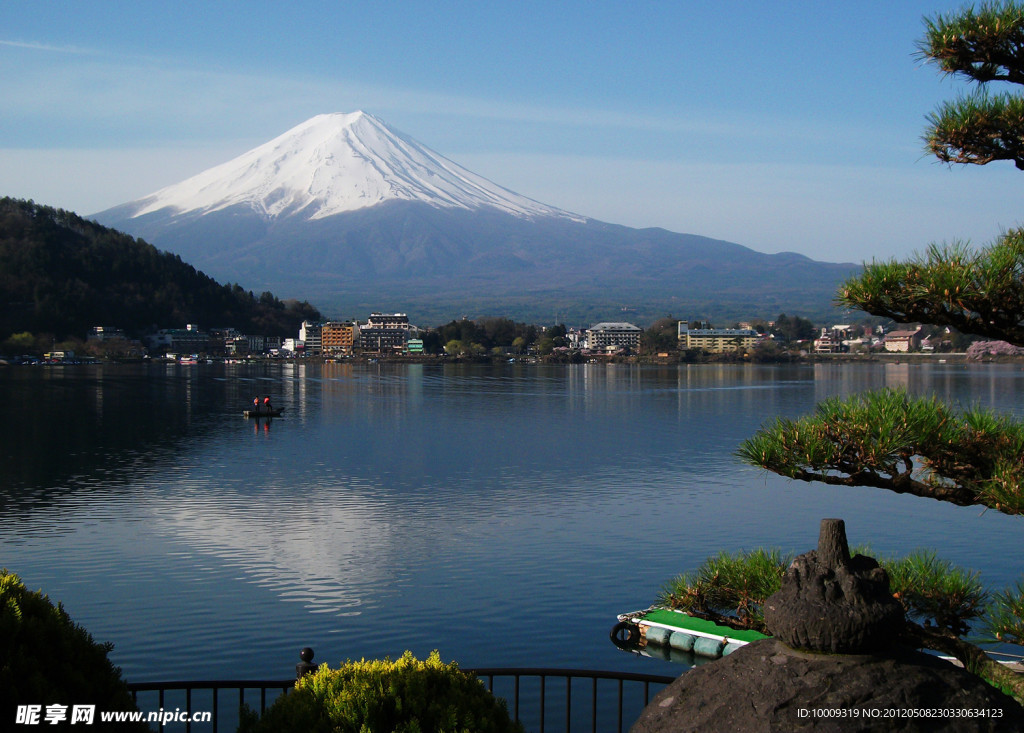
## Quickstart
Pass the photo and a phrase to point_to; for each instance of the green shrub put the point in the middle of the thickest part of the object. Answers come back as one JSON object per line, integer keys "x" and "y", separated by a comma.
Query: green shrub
{"x": 405, "y": 696}
{"x": 731, "y": 585}
{"x": 48, "y": 659}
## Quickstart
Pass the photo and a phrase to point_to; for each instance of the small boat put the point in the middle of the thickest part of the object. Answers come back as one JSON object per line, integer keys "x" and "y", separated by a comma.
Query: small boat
{"x": 276, "y": 412}
{"x": 679, "y": 630}
{"x": 671, "y": 631}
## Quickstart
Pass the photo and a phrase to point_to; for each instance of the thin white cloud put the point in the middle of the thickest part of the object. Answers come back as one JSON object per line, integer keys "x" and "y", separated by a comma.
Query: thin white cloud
{"x": 140, "y": 93}
{"x": 32, "y": 46}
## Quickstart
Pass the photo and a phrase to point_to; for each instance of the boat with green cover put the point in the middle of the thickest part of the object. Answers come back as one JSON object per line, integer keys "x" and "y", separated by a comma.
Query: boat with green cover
{"x": 672, "y": 630}
{"x": 681, "y": 631}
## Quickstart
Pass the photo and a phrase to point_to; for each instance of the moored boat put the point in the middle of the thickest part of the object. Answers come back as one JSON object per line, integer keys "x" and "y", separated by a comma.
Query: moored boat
{"x": 679, "y": 630}
{"x": 674, "y": 631}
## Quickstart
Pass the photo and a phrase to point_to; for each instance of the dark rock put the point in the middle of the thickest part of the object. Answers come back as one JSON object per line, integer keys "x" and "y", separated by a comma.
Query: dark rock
{"x": 767, "y": 686}
{"x": 830, "y": 602}
{"x": 838, "y": 608}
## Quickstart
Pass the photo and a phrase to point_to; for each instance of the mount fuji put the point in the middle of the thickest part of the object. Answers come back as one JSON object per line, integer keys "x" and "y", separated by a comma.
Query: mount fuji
{"x": 353, "y": 215}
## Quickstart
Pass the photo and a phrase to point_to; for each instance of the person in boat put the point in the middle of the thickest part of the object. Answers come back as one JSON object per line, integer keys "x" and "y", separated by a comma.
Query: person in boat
{"x": 266, "y": 405}
{"x": 256, "y": 405}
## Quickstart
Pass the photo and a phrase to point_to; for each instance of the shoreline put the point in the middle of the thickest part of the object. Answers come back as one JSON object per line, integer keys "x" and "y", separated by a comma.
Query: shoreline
{"x": 566, "y": 359}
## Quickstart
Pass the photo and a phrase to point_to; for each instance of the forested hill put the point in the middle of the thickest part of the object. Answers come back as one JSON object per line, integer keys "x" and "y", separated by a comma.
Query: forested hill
{"x": 62, "y": 274}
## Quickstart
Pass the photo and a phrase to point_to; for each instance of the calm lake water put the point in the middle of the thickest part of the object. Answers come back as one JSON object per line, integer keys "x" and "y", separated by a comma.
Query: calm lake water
{"x": 502, "y": 515}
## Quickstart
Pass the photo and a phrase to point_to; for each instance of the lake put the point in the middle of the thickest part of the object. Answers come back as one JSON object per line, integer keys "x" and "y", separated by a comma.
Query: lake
{"x": 500, "y": 514}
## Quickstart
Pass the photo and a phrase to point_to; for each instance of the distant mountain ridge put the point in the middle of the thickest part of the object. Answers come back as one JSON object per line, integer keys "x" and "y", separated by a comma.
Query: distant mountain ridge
{"x": 355, "y": 216}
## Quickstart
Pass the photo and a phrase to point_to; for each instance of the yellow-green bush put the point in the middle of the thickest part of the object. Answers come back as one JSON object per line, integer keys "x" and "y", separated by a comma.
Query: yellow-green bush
{"x": 404, "y": 696}
{"x": 48, "y": 659}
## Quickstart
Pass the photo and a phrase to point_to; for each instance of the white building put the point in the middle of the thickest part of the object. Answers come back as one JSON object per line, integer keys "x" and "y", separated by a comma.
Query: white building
{"x": 385, "y": 332}
{"x": 903, "y": 341}
{"x": 834, "y": 340}
{"x": 310, "y": 336}
{"x": 613, "y": 336}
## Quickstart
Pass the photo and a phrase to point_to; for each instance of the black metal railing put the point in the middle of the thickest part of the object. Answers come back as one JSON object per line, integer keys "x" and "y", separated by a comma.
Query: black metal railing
{"x": 602, "y": 712}
{"x": 207, "y": 700}
{"x": 537, "y": 697}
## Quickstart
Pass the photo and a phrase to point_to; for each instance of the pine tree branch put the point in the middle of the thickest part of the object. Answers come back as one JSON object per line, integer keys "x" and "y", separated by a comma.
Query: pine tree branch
{"x": 978, "y": 129}
{"x": 899, "y": 484}
{"x": 977, "y": 292}
{"x": 887, "y": 440}
{"x": 972, "y": 657}
{"x": 983, "y": 44}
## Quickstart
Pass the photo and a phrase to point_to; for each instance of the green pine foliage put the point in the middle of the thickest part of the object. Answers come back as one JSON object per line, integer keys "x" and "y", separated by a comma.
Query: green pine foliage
{"x": 981, "y": 44}
{"x": 979, "y": 128}
{"x": 935, "y": 592}
{"x": 1006, "y": 620}
{"x": 61, "y": 274}
{"x": 382, "y": 696}
{"x": 46, "y": 658}
{"x": 887, "y": 439}
{"x": 731, "y": 588}
{"x": 975, "y": 291}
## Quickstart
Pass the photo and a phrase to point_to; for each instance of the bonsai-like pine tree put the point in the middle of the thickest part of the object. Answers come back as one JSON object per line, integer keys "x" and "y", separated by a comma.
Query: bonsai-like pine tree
{"x": 983, "y": 45}
{"x": 888, "y": 440}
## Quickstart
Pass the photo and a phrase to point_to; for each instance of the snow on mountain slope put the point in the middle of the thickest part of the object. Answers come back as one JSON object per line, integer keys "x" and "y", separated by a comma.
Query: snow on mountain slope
{"x": 337, "y": 163}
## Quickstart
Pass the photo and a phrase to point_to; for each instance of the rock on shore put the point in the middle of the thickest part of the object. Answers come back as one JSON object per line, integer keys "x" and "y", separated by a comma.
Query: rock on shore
{"x": 767, "y": 686}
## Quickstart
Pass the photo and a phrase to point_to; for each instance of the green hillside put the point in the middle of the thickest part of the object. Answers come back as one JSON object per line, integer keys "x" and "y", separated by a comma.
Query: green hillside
{"x": 61, "y": 274}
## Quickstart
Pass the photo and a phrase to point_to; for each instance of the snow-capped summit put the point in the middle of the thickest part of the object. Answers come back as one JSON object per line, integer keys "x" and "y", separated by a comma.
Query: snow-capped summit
{"x": 332, "y": 164}
{"x": 344, "y": 211}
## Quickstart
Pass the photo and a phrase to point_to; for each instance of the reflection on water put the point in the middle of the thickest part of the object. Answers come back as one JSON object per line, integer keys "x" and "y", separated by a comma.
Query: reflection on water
{"x": 502, "y": 515}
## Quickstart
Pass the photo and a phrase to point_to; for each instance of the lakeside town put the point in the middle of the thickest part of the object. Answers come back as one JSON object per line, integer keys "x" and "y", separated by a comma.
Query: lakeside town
{"x": 392, "y": 335}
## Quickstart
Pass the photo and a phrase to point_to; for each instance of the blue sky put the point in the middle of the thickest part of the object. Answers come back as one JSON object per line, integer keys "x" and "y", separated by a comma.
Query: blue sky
{"x": 781, "y": 126}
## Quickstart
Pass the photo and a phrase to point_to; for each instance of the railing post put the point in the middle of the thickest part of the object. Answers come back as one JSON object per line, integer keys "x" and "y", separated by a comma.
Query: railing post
{"x": 306, "y": 665}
